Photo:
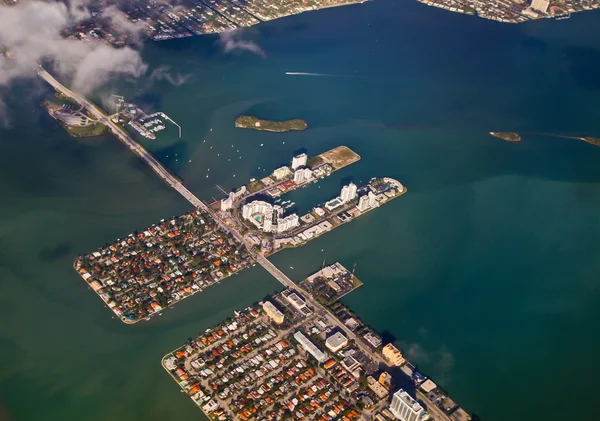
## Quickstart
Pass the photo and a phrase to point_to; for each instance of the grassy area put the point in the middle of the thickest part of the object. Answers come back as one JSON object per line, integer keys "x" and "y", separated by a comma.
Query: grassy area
{"x": 250, "y": 122}
{"x": 356, "y": 283}
{"x": 255, "y": 186}
{"x": 64, "y": 98}
{"x": 314, "y": 161}
{"x": 86, "y": 131}
{"x": 75, "y": 131}
{"x": 340, "y": 157}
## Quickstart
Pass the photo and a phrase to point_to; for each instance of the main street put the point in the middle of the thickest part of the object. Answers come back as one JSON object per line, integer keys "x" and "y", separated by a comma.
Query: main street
{"x": 175, "y": 183}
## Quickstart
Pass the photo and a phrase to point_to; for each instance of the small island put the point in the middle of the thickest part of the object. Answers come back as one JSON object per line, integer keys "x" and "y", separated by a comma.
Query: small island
{"x": 508, "y": 136}
{"x": 591, "y": 140}
{"x": 249, "y": 122}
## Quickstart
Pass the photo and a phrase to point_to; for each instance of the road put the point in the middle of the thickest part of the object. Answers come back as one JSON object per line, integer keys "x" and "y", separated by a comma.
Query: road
{"x": 161, "y": 171}
{"x": 175, "y": 183}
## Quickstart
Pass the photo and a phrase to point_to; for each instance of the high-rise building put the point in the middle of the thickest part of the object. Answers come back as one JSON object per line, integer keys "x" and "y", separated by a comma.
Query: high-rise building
{"x": 363, "y": 203}
{"x": 372, "y": 199}
{"x": 299, "y": 176}
{"x": 308, "y": 174}
{"x": 348, "y": 192}
{"x": 302, "y": 174}
{"x": 268, "y": 222}
{"x": 299, "y": 161}
{"x": 227, "y": 204}
{"x": 405, "y": 408}
{"x": 287, "y": 223}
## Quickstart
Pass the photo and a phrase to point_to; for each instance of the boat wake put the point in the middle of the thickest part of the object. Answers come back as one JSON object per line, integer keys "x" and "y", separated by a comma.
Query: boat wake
{"x": 312, "y": 74}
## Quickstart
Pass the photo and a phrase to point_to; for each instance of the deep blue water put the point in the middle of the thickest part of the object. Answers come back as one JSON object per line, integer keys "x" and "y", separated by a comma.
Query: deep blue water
{"x": 486, "y": 272}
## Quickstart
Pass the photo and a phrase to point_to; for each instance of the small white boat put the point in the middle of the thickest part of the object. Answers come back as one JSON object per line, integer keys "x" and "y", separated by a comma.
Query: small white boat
{"x": 291, "y": 267}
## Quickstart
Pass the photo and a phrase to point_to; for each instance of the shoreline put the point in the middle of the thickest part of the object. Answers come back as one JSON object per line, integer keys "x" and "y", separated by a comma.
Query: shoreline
{"x": 149, "y": 317}
{"x": 203, "y": 385}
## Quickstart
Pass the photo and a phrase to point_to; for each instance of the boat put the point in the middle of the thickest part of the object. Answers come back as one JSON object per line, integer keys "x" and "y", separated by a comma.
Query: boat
{"x": 291, "y": 267}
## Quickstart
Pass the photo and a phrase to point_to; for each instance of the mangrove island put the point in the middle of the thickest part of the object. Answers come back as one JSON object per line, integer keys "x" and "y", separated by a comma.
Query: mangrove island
{"x": 508, "y": 136}
{"x": 249, "y": 122}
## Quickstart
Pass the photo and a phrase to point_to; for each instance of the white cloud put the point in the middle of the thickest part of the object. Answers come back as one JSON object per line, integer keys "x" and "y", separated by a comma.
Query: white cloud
{"x": 32, "y": 33}
{"x": 164, "y": 73}
{"x": 232, "y": 41}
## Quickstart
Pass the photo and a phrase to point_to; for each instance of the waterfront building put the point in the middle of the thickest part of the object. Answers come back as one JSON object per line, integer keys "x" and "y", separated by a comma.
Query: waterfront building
{"x": 309, "y": 347}
{"x": 263, "y": 214}
{"x": 299, "y": 161}
{"x": 273, "y": 312}
{"x": 336, "y": 342}
{"x": 299, "y": 176}
{"x": 393, "y": 355}
{"x": 348, "y": 192}
{"x": 405, "y": 408}
{"x": 287, "y": 223}
{"x": 363, "y": 203}
{"x": 227, "y": 203}
{"x": 256, "y": 207}
{"x": 302, "y": 174}
{"x": 373, "y": 339}
{"x": 281, "y": 173}
{"x": 268, "y": 222}
{"x": 372, "y": 199}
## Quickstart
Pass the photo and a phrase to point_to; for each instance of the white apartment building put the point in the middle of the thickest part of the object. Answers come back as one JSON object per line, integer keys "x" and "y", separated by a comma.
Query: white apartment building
{"x": 348, "y": 192}
{"x": 405, "y": 408}
{"x": 299, "y": 161}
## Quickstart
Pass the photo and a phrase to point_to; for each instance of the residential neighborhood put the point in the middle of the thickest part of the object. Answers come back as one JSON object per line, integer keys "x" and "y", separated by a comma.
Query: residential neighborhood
{"x": 142, "y": 274}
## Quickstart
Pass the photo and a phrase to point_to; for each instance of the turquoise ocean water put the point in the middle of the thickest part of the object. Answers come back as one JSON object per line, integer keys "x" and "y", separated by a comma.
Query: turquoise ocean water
{"x": 486, "y": 272}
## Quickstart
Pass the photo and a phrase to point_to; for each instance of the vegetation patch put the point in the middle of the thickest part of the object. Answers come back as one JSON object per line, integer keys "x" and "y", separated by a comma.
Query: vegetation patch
{"x": 250, "y": 122}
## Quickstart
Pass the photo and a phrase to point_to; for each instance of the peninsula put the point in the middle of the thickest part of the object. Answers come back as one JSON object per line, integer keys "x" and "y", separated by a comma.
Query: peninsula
{"x": 302, "y": 355}
{"x": 265, "y": 223}
{"x": 142, "y": 274}
{"x": 249, "y": 122}
{"x": 508, "y": 136}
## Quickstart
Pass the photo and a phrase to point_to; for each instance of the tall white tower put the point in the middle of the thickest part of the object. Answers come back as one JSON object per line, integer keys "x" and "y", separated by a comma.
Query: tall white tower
{"x": 348, "y": 192}
{"x": 404, "y": 407}
{"x": 299, "y": 161}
